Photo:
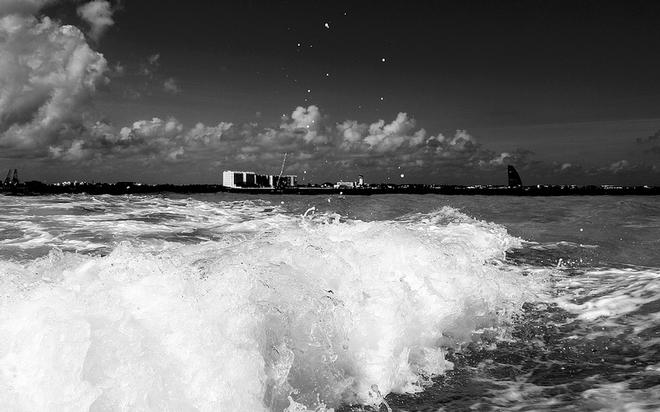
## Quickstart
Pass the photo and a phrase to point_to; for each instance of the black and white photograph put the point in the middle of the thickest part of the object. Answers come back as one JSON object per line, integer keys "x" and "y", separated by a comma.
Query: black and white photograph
{"x": 329, "y": 205}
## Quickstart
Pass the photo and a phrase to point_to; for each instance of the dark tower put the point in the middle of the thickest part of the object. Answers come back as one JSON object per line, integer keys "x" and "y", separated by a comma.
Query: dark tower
{"x": 514, "y": 177}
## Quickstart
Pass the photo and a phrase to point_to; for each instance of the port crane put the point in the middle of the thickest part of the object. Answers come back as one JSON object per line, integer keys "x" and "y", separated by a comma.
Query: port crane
{"x": 11, "y": 181}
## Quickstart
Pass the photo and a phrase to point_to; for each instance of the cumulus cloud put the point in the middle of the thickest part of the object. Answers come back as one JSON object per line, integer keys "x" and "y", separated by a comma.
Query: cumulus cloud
{"x": 206, "y": 135}
{"x": 98, "y": 14}
{"x": 387, "y": 137}
{"x": 152, "y": 129}
{"x": 351, "y": 132}
{"x": 306, "y": 124}
{"x": 48, "y": 74}
{"x": 380, "y": 137}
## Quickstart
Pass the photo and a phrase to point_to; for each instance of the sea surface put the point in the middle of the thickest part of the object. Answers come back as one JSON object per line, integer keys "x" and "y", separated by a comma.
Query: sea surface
{"x": 225, "y": 302}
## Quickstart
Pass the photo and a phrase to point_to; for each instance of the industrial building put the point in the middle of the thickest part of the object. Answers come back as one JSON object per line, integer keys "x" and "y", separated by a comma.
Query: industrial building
{"x": 238, "y": 179}
{"x": 350, "y": 185}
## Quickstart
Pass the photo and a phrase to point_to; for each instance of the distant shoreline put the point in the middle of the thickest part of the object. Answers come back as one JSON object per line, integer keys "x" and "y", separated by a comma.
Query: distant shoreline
{"x": 124, "y": 188}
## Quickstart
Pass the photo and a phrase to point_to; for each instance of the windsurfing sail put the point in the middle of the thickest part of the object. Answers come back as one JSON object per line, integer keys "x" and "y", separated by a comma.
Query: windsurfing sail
{"x": 514, "y": 177}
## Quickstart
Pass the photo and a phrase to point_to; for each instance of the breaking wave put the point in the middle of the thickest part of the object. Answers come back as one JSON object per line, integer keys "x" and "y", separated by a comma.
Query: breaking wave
{"x": 257, "y": 314}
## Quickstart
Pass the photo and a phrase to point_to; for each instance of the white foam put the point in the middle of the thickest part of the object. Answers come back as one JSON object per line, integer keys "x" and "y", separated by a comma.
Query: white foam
{"x": 609, "y": 293}
{"x": 322, "y": 311}
{"x": 84, "y": 224}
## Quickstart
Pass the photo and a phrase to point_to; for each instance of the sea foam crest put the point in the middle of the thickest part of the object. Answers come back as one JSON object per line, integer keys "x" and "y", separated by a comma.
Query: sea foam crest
{"x": 318, "y": 312}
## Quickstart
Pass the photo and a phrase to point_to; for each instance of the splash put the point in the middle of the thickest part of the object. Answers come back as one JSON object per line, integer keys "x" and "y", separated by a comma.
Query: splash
{"x": 300, "y": 312}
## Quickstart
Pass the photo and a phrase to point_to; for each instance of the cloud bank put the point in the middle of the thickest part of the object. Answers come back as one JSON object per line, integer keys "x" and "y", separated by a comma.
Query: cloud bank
{"x": 48, "y": 75}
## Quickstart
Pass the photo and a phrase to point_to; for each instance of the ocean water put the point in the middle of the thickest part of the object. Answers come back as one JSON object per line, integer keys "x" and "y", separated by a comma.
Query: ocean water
{"x": 238, "y": 303}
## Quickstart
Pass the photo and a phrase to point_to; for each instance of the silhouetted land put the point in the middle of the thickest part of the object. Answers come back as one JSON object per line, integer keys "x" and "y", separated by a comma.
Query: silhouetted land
{"x": 122, "y": 188}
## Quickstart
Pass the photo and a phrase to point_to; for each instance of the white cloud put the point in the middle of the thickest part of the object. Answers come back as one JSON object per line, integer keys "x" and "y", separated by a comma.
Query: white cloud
{"x": 400, "y": 134}
{"x": 387, "y": 137}
{"x": 351, "y": 132}
{"x": 98, "y": 14}
{"x": 306, "y": 123}
{"x": 206, "y": 135}
{"x": 155, "y": 128}
{"x": 48, "y": 74}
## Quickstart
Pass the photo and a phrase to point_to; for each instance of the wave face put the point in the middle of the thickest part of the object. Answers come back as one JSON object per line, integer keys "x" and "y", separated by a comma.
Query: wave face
{"x": 148, "y": 303}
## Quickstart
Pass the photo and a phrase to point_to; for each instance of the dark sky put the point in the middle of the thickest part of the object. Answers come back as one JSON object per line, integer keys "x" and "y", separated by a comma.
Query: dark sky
{"x": 567, "y": 91}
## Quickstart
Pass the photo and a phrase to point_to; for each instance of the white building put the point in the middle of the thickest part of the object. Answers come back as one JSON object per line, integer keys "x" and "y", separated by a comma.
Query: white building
{"x": 240, "y": 179}
{"x": 350, "y": 185}
{"x": 344, "y": 185}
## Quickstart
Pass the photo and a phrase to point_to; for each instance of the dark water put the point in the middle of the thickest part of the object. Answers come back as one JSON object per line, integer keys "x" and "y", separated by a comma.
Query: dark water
{"x": 223, "y": 302}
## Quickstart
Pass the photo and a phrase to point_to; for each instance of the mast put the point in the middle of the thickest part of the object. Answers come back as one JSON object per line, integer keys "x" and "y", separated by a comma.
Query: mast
{"x": 8, "y": 178}
{"x": 14, "y": 180}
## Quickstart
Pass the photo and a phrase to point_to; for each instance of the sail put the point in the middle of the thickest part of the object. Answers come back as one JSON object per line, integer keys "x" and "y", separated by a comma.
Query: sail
{"x": 514, "y": 177}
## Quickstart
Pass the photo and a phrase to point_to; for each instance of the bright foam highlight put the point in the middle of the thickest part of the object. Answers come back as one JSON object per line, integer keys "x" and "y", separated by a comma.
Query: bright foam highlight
{"x": 323, "y": 311}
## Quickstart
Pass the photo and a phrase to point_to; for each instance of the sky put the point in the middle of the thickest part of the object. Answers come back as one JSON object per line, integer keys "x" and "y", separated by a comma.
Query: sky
{"x": 446, "y": 92}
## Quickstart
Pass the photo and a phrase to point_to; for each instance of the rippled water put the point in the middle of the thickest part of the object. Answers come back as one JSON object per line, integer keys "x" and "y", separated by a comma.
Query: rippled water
{"x": 223, "y": 302}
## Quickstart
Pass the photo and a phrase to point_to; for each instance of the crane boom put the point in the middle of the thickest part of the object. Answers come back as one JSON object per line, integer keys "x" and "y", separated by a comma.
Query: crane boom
{"x": 279, "y": 179}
